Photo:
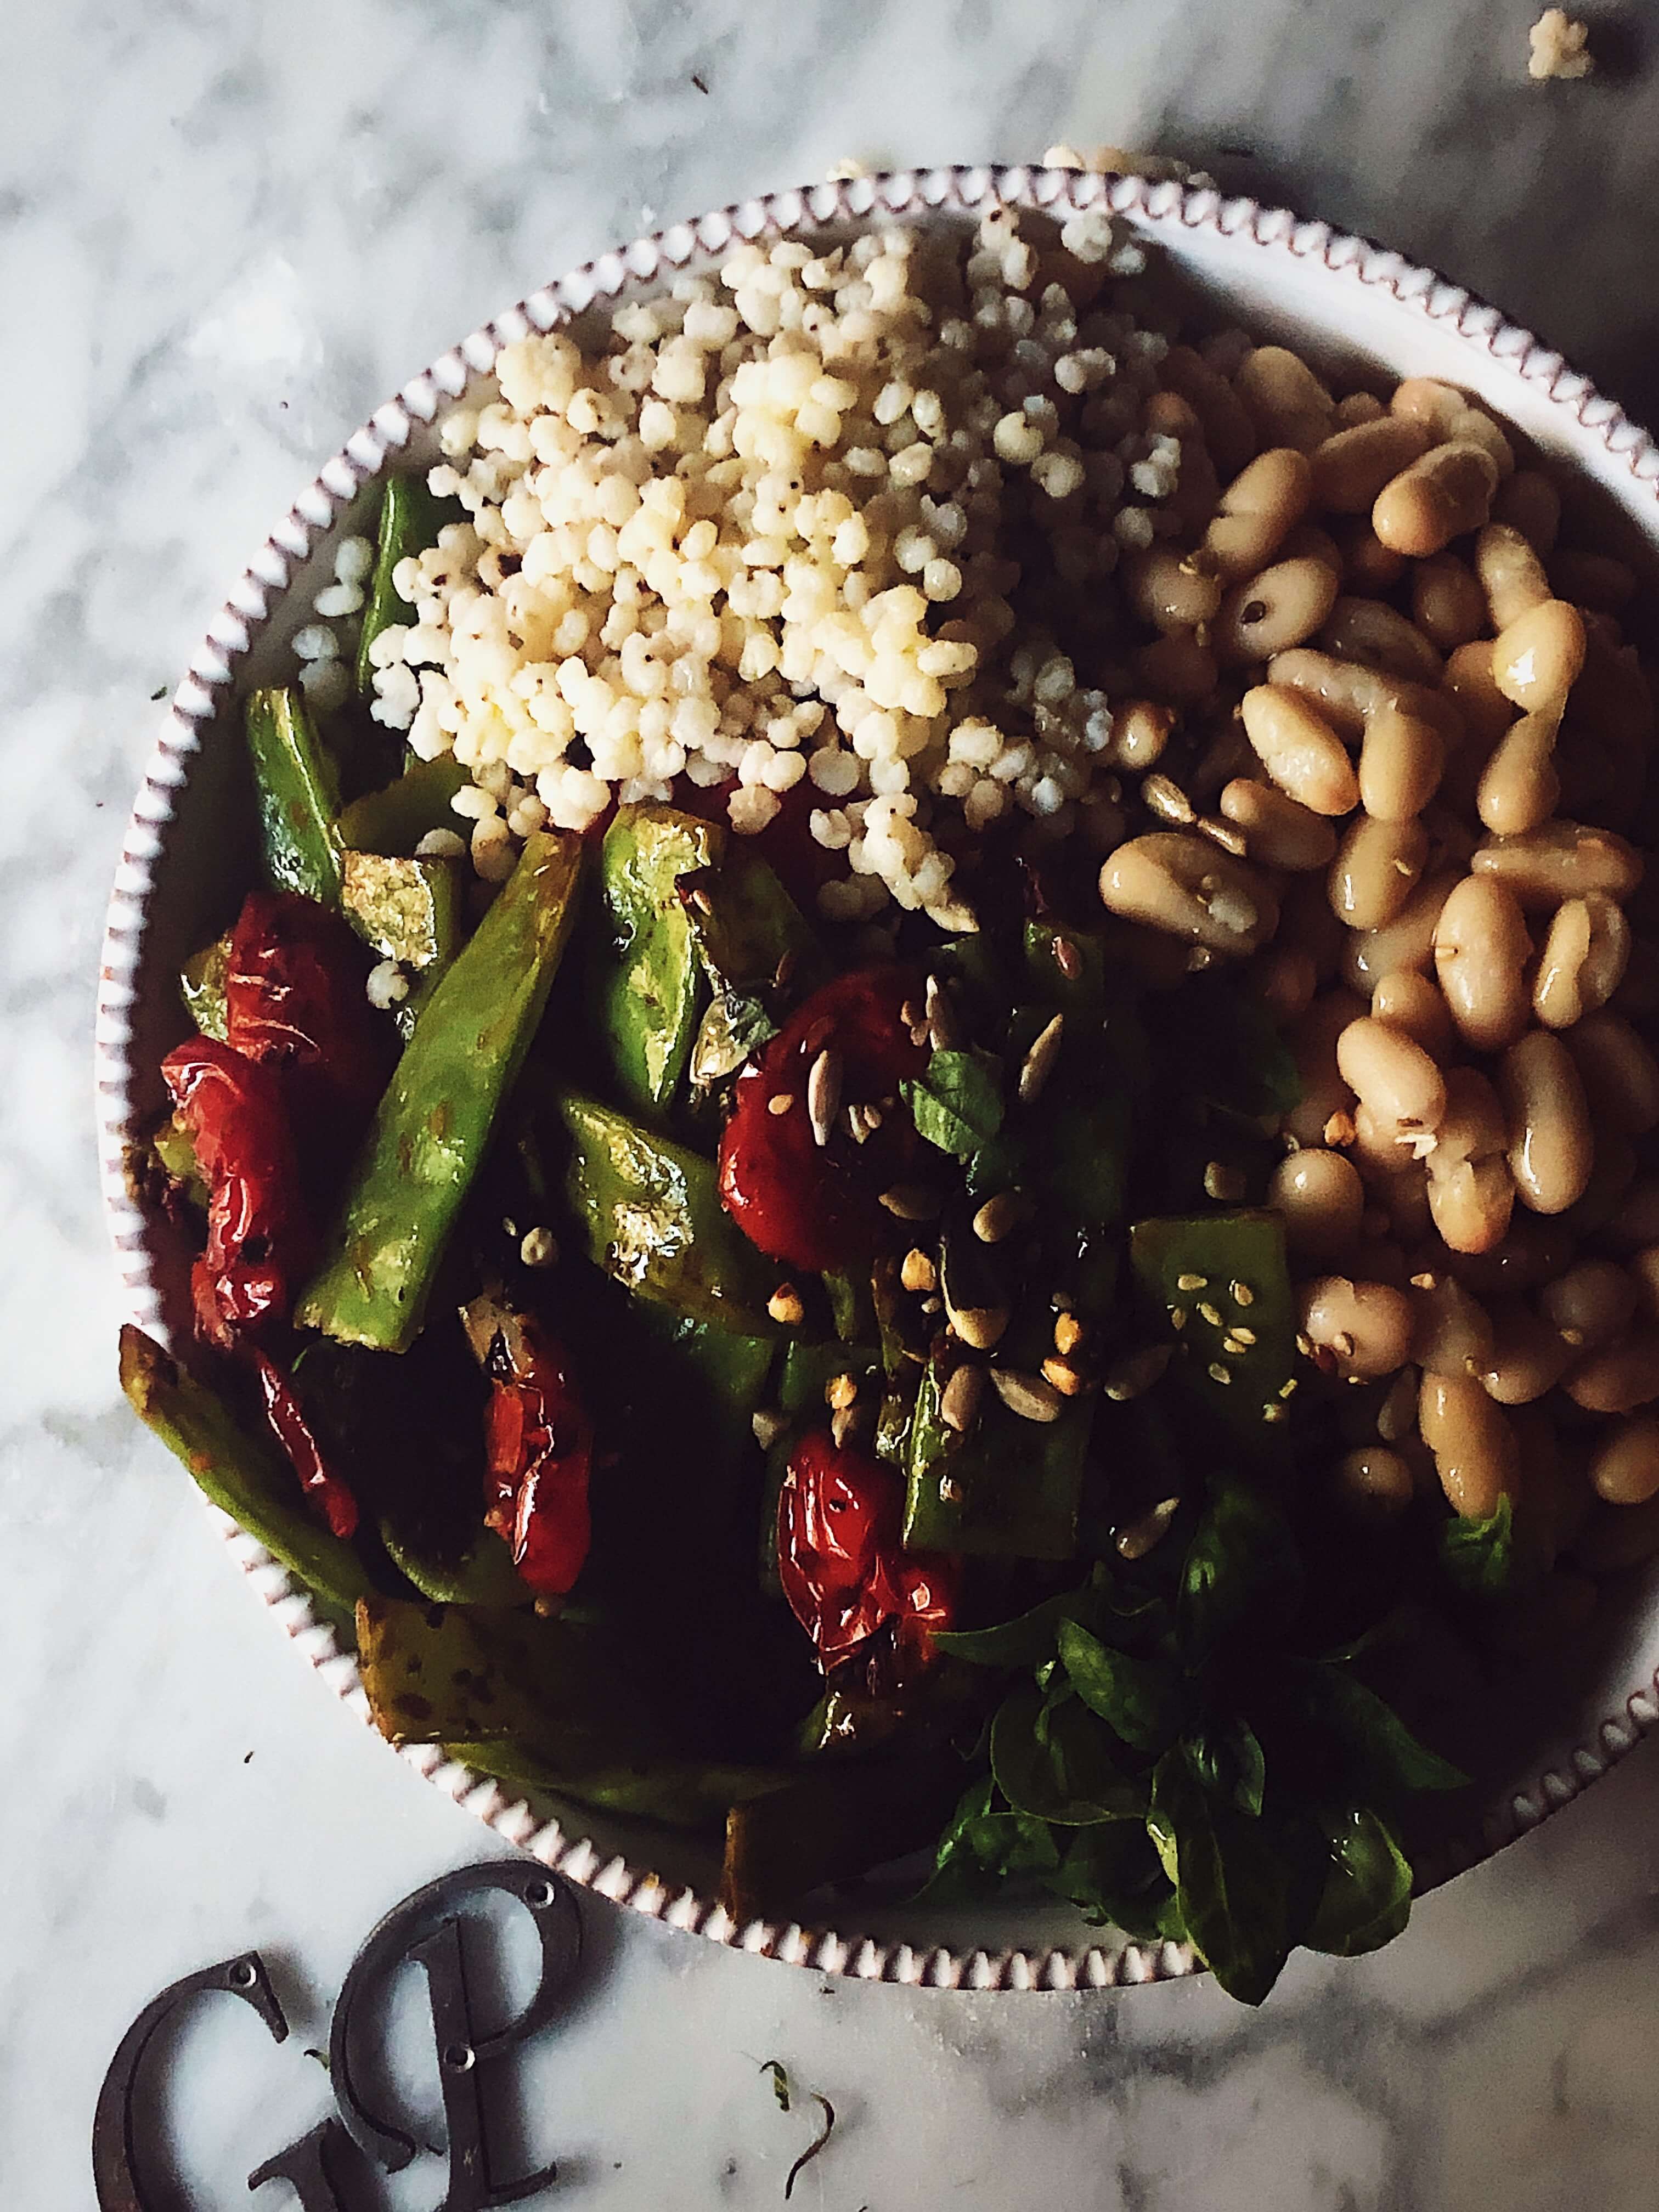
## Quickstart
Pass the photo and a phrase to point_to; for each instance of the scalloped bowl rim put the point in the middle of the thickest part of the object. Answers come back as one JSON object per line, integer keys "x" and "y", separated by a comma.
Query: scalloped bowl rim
{"x": 1601, "y": 439}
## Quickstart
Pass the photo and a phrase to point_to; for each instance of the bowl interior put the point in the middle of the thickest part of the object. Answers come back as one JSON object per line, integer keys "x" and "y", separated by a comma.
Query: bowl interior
{"x": 1537, "y": 1732}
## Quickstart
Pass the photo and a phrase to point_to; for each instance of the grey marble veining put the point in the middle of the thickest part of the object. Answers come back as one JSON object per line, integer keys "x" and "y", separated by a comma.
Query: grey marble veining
{"x": 225, "y": 232}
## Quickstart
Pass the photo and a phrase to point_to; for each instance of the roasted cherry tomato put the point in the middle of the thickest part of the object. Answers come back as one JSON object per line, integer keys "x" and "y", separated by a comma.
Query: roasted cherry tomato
{"x": 259, "y": 1233}
{"x": 814, "y": 1206}
{"x": 294, "y": 1432}
{"x": 539, "y": 1446}
{"x": 843, "y": 1568}
{"x": 294, "y": 996}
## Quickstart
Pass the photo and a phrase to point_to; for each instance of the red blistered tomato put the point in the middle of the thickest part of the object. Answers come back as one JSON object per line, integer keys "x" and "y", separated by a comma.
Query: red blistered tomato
{"x": 539, "y": 1450}
{"x": 259, "y": 1233}
{"x": 294, "y": 1432}
{"x": 840, "y": 1561}
{"x": 293, "y": 997}
{"x": 814, "y": 1206}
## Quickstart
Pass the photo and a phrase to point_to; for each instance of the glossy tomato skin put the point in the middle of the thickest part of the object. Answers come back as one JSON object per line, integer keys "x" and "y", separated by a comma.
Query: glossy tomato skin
{"x": 294, "y": 1000}
{"x": 844, "y": 1571}
{"x": 259, "y": 1236}
{"x": 815, "y": 1207}
{"x": 327, "y": 1492}
{"x": 539, "y": 1442}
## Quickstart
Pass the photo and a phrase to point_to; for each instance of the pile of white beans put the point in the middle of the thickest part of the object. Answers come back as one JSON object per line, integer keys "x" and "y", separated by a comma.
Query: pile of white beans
{"x": 1389, "y": 728}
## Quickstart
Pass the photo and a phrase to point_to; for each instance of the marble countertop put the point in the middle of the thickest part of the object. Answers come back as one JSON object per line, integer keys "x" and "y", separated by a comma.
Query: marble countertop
{"x": 225, "y": 232}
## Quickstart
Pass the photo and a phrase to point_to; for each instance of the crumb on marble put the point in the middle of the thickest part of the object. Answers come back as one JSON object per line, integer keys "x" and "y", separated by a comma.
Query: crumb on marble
{"x": 1559, "y": 47}
{"x": 1118, "y": 161}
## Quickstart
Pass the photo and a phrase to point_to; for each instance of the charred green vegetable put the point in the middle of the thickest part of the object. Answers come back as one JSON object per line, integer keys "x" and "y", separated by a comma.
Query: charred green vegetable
{"x": 240, "y": 1471}
{"x": 437, "y": 1118}
{"x": 650, "y": 1216}
{"x": 298, "y": 792}
{"x": 650, "y": 980}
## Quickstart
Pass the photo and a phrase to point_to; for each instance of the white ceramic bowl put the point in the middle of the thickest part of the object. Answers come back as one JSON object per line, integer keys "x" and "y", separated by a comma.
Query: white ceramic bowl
{"x": 1545, "y": 1732}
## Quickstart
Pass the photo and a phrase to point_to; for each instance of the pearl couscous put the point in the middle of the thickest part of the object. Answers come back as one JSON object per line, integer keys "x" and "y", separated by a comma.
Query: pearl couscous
{"x": 763, "y": 535}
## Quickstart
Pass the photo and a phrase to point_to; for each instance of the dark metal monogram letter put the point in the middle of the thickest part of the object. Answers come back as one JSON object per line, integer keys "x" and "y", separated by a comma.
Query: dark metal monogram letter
{"x": 426, "y": 1928}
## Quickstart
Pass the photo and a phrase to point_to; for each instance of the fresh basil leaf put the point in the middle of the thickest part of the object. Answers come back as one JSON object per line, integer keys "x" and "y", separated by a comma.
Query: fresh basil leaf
{"x": 1478, "y": 1556}
{"x": 982, "y": 1847}
{"x": 1064, "y": 1774}
{"x": 1229, "y": 1762}
{"x": 1139, "y": 1701}
{"x": 1383, "y": 1755}
{"x": 1367, "y": 1898}
{"x": 1227, "y": 1051}
{"x": 1242, "y": 1569}
{"x": 1111, "y": 1873}
{"x": 957, "y": 1104}
{"x": 1233, "y": 1880}
{"x": 1026, "y": 1641}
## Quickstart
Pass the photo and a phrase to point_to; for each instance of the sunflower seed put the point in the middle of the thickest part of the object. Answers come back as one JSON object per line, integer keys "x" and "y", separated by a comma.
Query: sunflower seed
{"x": 941, "y": 1017}
{"x": 1028, "y": 1395}
{"x": 998, "y": 1216}
{"x": 979, "y": 1327}
{"x": 1130, "y": 1377}
{"x": 1039, "y": 1062}
{"x": 1139, "y": 1538}
{"x": 911, "y": 1202}
{"x": 823, "y": 1094}
{"x": 959, "y": 1400}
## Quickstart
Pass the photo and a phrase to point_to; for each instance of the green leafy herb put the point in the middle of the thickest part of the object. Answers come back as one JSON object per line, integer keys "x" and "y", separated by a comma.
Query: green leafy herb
{"x": 1140, "y": 1700}
{"x": 1242, "y": 1569}
{"x": 813, "y": 2148}
{"x": 1229, "y": 1761}
{"x": 1233, "y": 1880}
{"x": 1050, "y": 1761}
{"x": 1026, "y": 1641}
{"x": 1478, "y": 1556}
{"x": 1381, "y": 1750}
{"x": 957, "y": 1104}
{"x": 1367, "y": 1898}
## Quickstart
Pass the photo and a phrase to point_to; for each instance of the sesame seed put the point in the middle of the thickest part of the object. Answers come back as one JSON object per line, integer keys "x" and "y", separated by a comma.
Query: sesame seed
{"x": 779, "y": 1103}
{"x": 1209, "y": 1313}
{"x": 1246, "y": 1336}
{"x": 1191, "y": 1282}
{"x": 1217, "y": 1373}
{"x": 1242, "y": 1294}
{"x": 1233, "y": 1347}
{"x": 1177, "y": 1316}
